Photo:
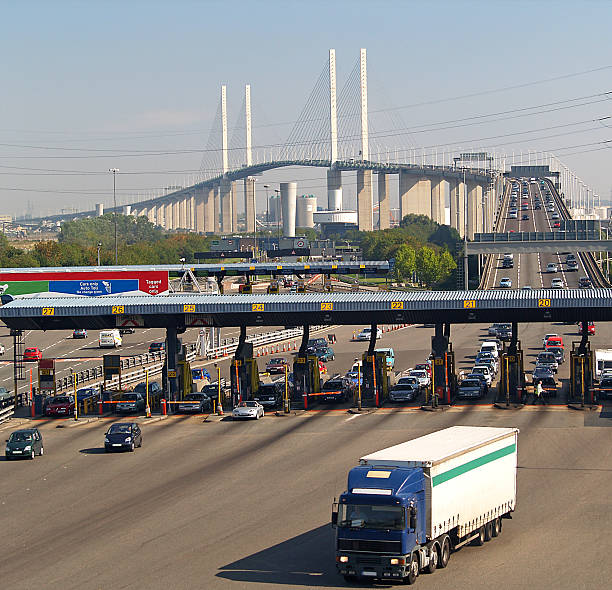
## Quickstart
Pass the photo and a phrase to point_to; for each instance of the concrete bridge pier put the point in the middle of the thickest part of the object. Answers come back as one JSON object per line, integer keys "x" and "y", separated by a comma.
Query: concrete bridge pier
{"x": 455, "y": 192}
{"x": 473, "y": 210}
{"x": 169, "y": 215}
{"x": 159, "y": 215}
{"x": 334, "y": 190}
{"x": 217, "y": 209}
{"x": 249, "y": 203}
{"x": 198, "y": 210}
{"x": 209, "y": 210}
{"x": 383, "y": 201}
{"x": 225, "y": 202}
{"x": 234, "y": 208}
{"x": 438, "y": 201}
{"x": 190, "y": 214}
{"x": 364, "y": 200}
{"x": 415, "y": 195}
{"x": 176, "y": 214}
{"x": 182, "y": 213}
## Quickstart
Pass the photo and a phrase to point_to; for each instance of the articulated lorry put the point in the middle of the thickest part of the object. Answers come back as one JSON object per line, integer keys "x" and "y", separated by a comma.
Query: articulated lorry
{"x": 407, "y": 507}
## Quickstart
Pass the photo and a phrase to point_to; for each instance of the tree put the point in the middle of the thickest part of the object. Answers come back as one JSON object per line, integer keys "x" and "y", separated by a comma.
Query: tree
{"x": 427, "y": 266}
{"x": 405, "y": 262}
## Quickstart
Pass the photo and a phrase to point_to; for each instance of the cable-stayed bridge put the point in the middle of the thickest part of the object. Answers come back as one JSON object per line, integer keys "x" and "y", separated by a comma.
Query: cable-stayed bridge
{"x": 333, "y": 131}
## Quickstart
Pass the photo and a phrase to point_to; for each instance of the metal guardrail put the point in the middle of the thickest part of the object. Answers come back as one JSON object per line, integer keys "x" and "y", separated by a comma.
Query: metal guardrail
{"x": 6, "y": 413}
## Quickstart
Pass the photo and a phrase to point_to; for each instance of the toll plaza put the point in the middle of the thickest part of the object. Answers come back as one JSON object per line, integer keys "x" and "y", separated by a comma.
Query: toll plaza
{"x": 176, "y": 312}
{"x": 512, "y": 386}
{"x": 582, "y": 391}
{"x": 306, "y": 376}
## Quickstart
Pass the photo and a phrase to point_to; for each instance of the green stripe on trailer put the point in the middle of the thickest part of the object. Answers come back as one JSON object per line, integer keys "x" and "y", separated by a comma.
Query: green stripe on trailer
{"x": 474, "y": 464}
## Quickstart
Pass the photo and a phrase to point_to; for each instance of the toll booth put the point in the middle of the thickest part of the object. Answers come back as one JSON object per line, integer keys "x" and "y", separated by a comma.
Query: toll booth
{"x": 46, "y": 377}
{"x": 244, "y": 372}
{"x": 245, "y": 289}
{"x": 306, "y": 381}
{"x": 511, "y": 383}
{"x": 581, "y": 374}
{"x": 185, "y": 378}
{"x": 301, "y": 286}
{"x": 443, "y": 373}
{"x": 328, "y": 285}
{"x": 376, "y": 379}
{"x": 273, "y": 288}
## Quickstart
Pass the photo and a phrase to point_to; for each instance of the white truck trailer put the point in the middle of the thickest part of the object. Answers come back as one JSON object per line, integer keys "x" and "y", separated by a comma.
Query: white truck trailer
{"x": 408, "y": 506}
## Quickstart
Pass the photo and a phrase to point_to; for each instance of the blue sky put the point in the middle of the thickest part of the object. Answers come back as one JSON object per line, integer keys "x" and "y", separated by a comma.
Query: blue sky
{"x": 135, "y": 75}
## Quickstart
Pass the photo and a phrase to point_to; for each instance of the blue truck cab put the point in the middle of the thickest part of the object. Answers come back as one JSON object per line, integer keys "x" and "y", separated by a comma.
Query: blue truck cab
{"x": 407, "y": 507}
{"x": 376, "y": 533}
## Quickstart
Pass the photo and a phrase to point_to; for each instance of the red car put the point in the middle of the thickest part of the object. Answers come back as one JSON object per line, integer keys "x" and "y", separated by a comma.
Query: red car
{"x": 60, "y": 405}
{"x": 557, "y": 224}
{"x": 590, "y": 328}
{"x": 276, "y": 365}
{"x": 32, "y": 354}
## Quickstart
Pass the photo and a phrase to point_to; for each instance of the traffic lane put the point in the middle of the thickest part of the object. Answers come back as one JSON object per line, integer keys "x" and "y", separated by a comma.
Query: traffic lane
{"x": 171, "y": 508}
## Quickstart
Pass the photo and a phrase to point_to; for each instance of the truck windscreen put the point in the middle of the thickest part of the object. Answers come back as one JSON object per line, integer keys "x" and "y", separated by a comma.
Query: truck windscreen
{"x": 368, "y": 516}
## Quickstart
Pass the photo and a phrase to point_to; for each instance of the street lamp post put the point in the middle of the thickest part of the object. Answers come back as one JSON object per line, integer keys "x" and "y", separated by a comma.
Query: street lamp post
{"x": 278, "y": 211}
{"x": 267, "y": 186}
{"x": 114, "y": 171}
{"x": 99, "y": 246}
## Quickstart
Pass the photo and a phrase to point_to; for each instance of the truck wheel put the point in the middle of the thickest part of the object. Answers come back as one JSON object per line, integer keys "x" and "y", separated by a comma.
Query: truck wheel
{"x": 445, "y": 552}
{"x": 433, "y": 560}
{"x": 488, "y": 531}
{"x": 479, "y": 541}
{"x": 496, "y": 527}
{"x": 413, "y": 570}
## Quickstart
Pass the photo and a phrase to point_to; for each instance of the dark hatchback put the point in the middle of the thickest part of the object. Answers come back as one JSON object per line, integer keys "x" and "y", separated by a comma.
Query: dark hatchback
{"x": 471, "y": 389}
{"x": 269, "y": 395}
{"x": 27, "y": 442}
{"x": 406, "y": 390}
{"x": 195, "y": 403}
{"x": 123, "y": 436}
{"x": 337, "y": 389}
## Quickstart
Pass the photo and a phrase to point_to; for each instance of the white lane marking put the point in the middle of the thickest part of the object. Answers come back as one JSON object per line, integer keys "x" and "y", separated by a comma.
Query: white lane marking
{"x": 352, "y": 417}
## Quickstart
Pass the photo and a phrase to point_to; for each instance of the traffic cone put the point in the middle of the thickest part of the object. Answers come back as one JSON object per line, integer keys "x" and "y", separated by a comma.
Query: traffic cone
{"x": 284, "y": 347}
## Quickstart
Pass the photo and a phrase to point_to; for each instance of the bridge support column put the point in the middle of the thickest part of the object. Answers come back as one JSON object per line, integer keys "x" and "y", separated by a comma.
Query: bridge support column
{"x": 249, "y": 204}
{"x": 456, "y": 218}
{"x": 364, "y": 200}
{"x": 225, "y": 196}
{"x": 472, "y": 210}
{"x": 190, "y": 212}
{"x": 438, "y": 201}
{"x": 419, "y": 197}
{"x": 406, "y": 182}
{"x": 168, "y": 216}
{"x": 176, "y": 214}
{"x": 159, "y": 215}
{"x": 199, "y": 202}
{"x": 217, "y": 209}
{"x": 383, "y": 201}
{"x": 334, "y": 190}
{"x": 234, "y": 209}
{"x": 183, "y": 213}
{"x": 209, "y": 210}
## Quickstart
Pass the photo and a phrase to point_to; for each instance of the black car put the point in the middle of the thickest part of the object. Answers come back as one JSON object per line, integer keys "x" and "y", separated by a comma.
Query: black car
{"x": 123, "y": 436}
{"x": 315, "y": 343}
{"x": 27, "y": 442}
{"x": 127, "y": 331}
{"x": 558, "y": 352}
{"x": 270, "y": 395}
{"x": 407, "y": 389}
{"x": 131, "y": 402}
{"x": 549, "y": 387}
{"x": 212, "y": 390}
{"x": 605, "y": 389}
{"x": 504, "y": 333}
{"x": 540, "y": 373}
{"x": 472, "y": 388}
{"x": 337, "y": 389}
{"x": 480, "y": 378}
{"x": 584, "y": 282}
{"x": 157, "y": 347}
{"x": 154, "y": 388}
{"x": 195, "y": 403}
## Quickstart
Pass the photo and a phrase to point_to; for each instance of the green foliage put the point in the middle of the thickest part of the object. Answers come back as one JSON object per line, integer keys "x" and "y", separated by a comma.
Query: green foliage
{"x": 140, "y": 242}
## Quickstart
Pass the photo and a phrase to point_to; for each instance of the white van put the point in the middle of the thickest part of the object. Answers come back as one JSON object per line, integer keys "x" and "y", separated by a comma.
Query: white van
{"x": 491, "y": 347}
{"x": 109, "y": 339}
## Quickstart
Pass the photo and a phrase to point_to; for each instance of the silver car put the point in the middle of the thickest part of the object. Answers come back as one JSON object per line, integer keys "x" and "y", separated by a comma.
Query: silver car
{"x": 248, "y": 410}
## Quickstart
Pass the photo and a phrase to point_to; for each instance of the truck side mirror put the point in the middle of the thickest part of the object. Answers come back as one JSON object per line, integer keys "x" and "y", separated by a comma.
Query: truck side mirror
{"x": 413, "y": 518}
{"x": 334, "y": 515}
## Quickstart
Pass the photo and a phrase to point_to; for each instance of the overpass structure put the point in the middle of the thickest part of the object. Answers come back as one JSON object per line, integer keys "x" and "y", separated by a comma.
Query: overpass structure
{"x": 183, "y": 310}
{"x": 210, "y": 205}
{"x": 525, "y": 242}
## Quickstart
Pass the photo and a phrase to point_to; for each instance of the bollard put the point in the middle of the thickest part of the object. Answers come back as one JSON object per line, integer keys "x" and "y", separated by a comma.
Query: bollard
{"x": 164, "y": 409}
{"x": 101, "y": 407}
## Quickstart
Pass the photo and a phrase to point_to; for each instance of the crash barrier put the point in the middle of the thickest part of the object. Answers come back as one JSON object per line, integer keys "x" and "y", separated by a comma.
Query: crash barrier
{"x": 6, "y": 413}
{"x": 94, "y": 373}
{"x": 230, "y": 345}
